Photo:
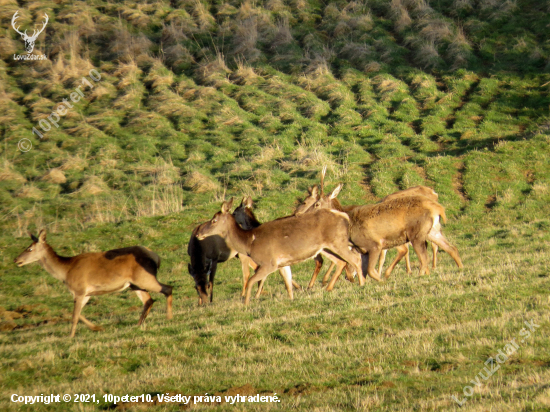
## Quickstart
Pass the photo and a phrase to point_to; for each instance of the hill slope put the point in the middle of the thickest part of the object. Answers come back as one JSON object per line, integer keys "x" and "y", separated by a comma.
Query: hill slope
{"x": 201, "y": 100}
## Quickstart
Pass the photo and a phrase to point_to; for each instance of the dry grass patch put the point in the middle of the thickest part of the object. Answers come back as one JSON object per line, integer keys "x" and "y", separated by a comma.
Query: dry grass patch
{"x": 162, "y": 172}
{"x": 8, "y": 173}
{"x": 244, "y": 75}
{"x": 92, "y": 186}
{"x": 29, "y": 192}
{"x": 214, "y": 72}
{"x": 54, "y": 175}
{"x": 199, "y": 183}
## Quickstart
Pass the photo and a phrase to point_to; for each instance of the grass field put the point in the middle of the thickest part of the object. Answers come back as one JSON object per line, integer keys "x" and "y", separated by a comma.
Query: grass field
{"x": 200, "y": 101}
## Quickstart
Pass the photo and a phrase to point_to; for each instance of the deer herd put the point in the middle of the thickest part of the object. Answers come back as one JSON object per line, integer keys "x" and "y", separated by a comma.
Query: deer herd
{"x": 354, "y": 238}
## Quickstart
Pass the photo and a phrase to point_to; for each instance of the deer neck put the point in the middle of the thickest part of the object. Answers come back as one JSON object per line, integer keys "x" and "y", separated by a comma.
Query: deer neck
{"x": 240, "y": 239}
{"x": 55, "y": 265}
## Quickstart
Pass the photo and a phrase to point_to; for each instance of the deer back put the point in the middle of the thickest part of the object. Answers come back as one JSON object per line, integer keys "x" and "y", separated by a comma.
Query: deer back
{"x": 298, "y": 237}
{"x": 414, "y": 191}
{"x": 403, "y": 213}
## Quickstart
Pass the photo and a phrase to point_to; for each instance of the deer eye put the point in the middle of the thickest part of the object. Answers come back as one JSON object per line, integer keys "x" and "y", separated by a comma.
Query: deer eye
{"x": 30, "y": 249}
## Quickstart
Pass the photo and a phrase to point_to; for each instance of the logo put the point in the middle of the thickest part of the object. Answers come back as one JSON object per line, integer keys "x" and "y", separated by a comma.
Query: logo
{"x": 29, "y": 40}
{"x": 24, "y": 145}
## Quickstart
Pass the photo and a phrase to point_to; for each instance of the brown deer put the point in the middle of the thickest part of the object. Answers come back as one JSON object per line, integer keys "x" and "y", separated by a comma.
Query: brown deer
{"x": 205, "y": 255}
{"x": 403, "y": 250}
{"x": 91, "y": 274}
{"x": 245, "y": 218}
{"x": 286, "y": 241}
{"x": 312, "y": 197}
{"x": 393, "y": 223}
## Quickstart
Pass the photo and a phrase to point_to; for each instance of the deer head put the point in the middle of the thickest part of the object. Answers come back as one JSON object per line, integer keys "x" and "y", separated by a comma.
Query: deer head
{"x": 29, "y": 41}
{"x": 34, "y": 252}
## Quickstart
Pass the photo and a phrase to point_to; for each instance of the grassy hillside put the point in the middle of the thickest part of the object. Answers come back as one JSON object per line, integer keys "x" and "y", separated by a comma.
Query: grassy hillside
{"x": 203, "y": 100}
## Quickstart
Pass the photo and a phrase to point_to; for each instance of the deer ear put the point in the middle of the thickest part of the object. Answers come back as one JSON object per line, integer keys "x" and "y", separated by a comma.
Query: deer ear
{"x": 314, "y": 191}
{"x": 336, "y": 191}
{"x": 248, "y": 202}
{"x": 33, "y": 237}
{"x": 42, "y": 236}
{"x": 226, "y": 206}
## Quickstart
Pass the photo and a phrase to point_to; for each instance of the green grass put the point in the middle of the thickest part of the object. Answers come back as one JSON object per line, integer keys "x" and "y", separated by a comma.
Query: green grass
{"x": 201, "y": 101}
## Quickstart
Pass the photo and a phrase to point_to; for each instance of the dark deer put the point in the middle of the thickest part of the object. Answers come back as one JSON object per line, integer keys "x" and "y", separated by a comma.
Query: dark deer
{"x": 386, "y": 225}
{"x": 91, "y": 274}
{"x": 205, "y": 255}
{"x": 29, "y": 41}
{"x": 286, "y": 241}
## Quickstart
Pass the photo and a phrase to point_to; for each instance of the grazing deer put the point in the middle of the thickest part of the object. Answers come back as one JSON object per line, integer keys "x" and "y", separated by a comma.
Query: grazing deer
{"x": 91, "y": 274}
{"x": 393, "y": 223}
{"x": 205, "y": 255}
{"x": 286, "y": 241}
{"x": 29, "y": 41}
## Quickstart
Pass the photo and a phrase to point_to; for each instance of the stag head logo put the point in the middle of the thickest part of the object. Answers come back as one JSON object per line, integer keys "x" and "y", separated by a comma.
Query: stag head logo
{"x": 29, "y": 40}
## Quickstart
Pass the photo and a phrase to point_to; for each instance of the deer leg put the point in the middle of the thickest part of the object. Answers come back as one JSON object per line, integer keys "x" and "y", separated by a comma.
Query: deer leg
{"x": 435, "y": 236}
{"x": 89, "y": 324}
{"x": 147, "y": 282}
{"x": 212, "y": 275}
{"x": 402, "y": 250}
{"x": 79, "y": 302}
{"x": 339, "y": 268}
{"x": 287, "y": 276}
{"x": 254, "y": 266}
{"x": 419, "y": 246}
{"x": 318, "y": 265}
{"x": 261, "y": 273}
{"x": 203, "y": 294}
{"x": 327, "y": 274}
{"x": 352, "y": 257}
{"x": 434, "y": 250}
{"x": 374, "y": 255}
{"x": 408, "y": 260}
{"x": 283, "y": 272}
{"x": 147, "y": 301}
{"x": 382, "y": 260}
{"x": 246, "y": 262}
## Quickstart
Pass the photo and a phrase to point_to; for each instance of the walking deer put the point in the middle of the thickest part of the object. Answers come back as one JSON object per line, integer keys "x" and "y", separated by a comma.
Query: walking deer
{"x": 393, "y": 223}
{"x": 247, "y": 220}
{"x": 286, "y": 241}
{"x": 403, "y": 250}
{"x": 91, "y": 274}
{"x": 205, "y": 255}
{"x": 312, "y": 197}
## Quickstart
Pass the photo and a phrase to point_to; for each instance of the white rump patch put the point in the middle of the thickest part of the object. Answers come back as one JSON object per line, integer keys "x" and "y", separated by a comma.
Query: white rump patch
{"x": 436, "y": 224}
